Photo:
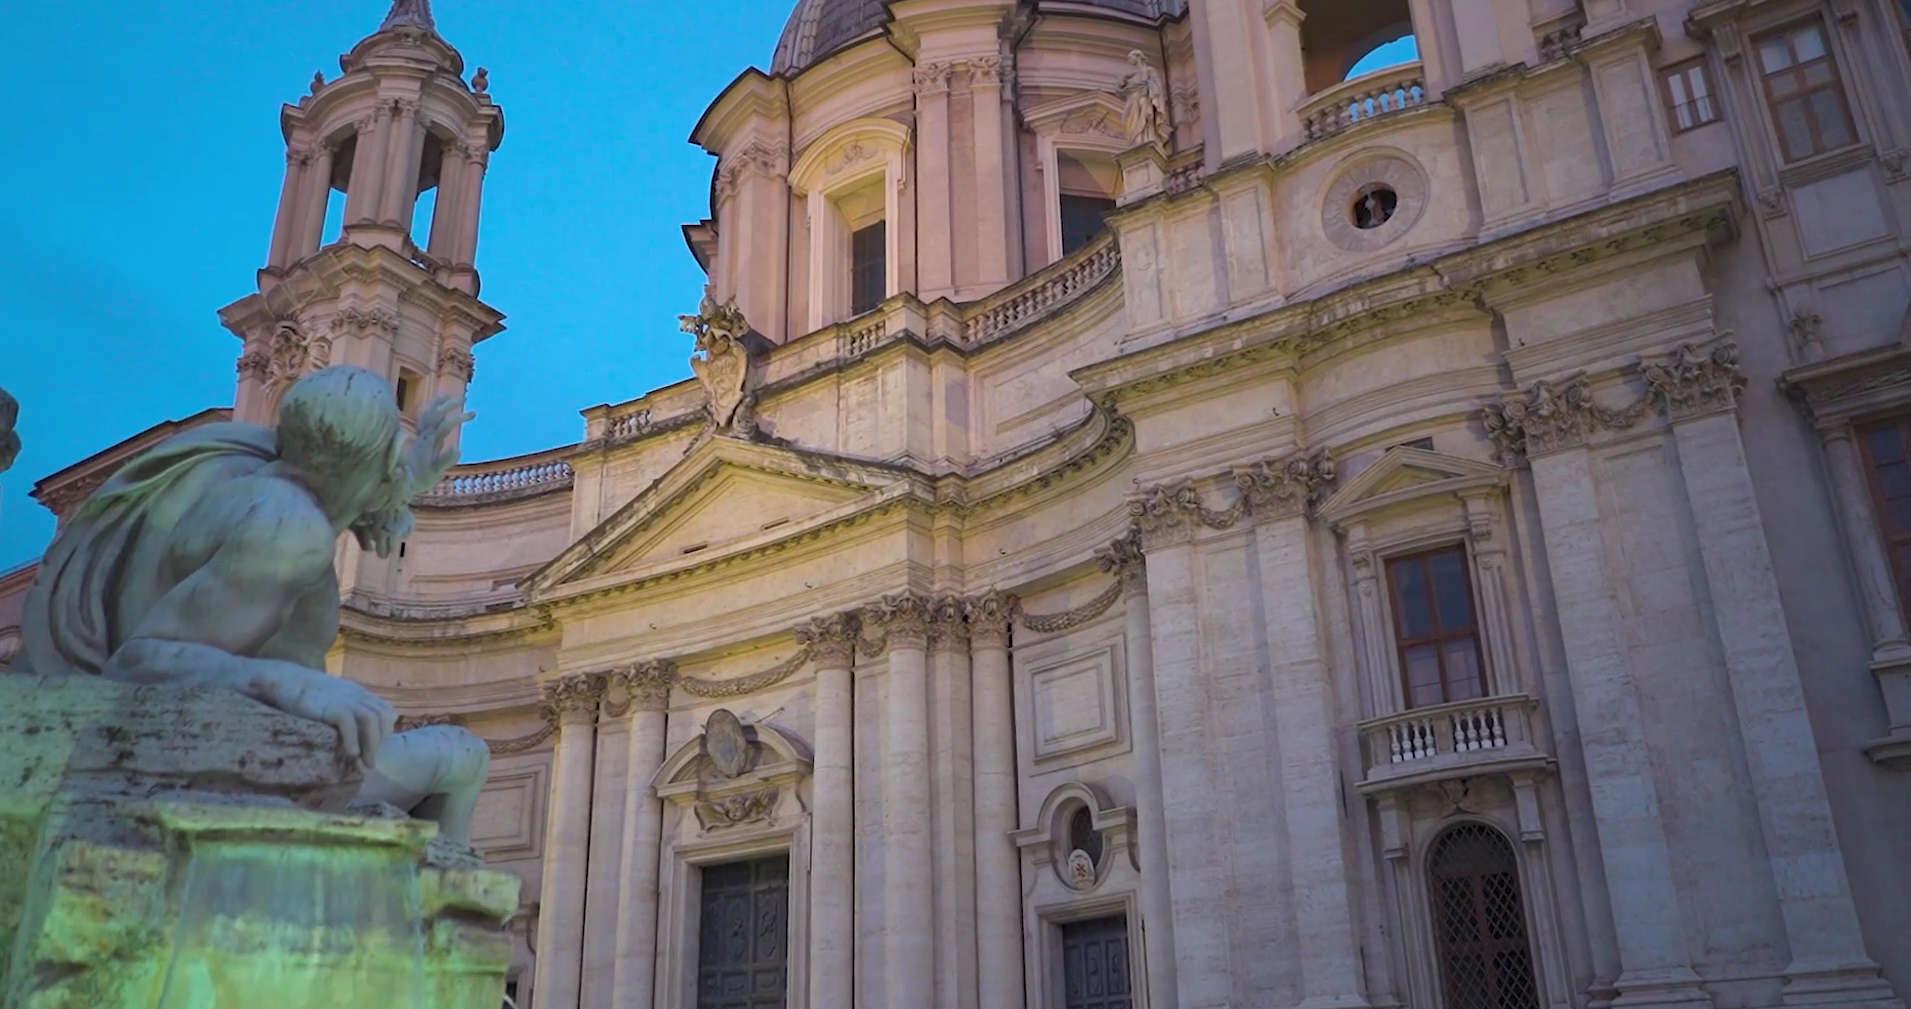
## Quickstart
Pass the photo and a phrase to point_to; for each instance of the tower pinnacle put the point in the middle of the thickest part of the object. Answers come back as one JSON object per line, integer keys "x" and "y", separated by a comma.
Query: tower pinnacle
{"x": 409, "y": 13}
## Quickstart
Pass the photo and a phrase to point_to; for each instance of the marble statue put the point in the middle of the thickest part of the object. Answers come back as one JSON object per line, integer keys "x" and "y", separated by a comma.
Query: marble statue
{"x": 720, "y": 361}
{"x": 207, "y": 562}
{"x": 1145, "y": 116}
{"x": 9, "y": 442}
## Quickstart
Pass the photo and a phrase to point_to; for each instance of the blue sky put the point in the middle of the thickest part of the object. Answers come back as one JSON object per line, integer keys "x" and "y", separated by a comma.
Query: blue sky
{"x": 144, "y": 168}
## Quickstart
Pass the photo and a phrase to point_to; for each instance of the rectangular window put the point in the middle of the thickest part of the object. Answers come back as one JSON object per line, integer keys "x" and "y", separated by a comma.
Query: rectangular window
{"x": 1802, "y": 88}
{"x": 868, "y": 268}
{"x": 1688, "y": 95}
{"x": 1435, "y": 628}
{"x": 1095, "y": 972}
{"x": 405, "y": 391}
{"x": 1884, "y": 444}
{"x": 1082, "y": 219}
{"x": 743, "y": 935}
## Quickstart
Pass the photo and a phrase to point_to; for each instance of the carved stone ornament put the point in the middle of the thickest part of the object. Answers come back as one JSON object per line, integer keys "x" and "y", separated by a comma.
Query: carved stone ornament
{"x": 737, "y": 810}
{"x": 457, "y": 361}
{"x": 900, "y": 619}
{"x": 573, "y": 698}
{"x": 830, "y": 639}
{"x": 1284, "y": 487}
{"x": 720, "y": 361}
{"x": 727, "y": 743}
{"x": 1552, "y": 415}
{"x": 1081, "y": 870}
{"x": 355, "y": 321}
{"x": 646, "y": 685}
{"x": 988, "y": 615}
{"x": 930, "y": 78}
{"x": 1169, "y": 513}
{"x": 287, "y": 355}
{"x": 756, "y": 158}
{"x": 1695, "y": 380}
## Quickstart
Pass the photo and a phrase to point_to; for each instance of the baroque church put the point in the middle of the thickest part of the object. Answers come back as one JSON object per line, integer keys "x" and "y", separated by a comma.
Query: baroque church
{"x": 1169, "y": 517}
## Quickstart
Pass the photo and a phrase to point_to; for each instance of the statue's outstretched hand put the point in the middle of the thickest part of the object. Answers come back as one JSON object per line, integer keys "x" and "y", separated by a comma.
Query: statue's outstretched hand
{"x": 361, "y": 718}
{"x": 426, "y": 458}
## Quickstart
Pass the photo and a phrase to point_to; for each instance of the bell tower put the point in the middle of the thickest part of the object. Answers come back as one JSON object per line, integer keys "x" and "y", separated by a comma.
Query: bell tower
{"x": 371, "y": 261}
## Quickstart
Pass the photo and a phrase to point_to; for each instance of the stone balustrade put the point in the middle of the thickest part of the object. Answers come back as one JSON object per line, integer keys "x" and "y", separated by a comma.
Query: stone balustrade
{"x": 1369, "y": 96}
{"x": 1450, "y": 740}
{"x": 628, "y": 424}
{"x": 510, "y": 478}
{"x": 1044, "y": 291}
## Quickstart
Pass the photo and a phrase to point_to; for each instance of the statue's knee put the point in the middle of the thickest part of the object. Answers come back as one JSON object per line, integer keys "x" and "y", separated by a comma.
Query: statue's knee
{"x": 468, "y": 758}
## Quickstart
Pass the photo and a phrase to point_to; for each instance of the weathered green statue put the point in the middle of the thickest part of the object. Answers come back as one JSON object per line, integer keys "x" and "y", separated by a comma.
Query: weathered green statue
{"x": 207, "y": 562}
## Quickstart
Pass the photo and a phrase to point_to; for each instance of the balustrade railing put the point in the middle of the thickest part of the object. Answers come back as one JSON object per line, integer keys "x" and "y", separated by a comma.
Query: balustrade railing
{"x": 627, "y": 425}
{"x": 1369, "y": 96}
{"x": 1488, "y": 727}
{"x": 493, "y": 481}
{"x": 1035, "y": 297}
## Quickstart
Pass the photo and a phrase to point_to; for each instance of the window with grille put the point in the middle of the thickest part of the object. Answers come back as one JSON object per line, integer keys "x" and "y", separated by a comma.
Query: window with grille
{"x": 1807, "y": 100}
{"x": 1082, "y": 219}
{"x": 1095, "y": 964}
{"x": 1688, "y": 96}
{"x": 1888, "y": 464}
{"x": 743, "y": 932}
{"x": 868, "y": 267}
{"x": 1435, "y": 628}
{"x": 1479, "y": 921}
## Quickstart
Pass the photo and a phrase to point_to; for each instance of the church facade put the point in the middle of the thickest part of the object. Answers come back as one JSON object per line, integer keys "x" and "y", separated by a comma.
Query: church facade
{"x": 1168, "y": 517}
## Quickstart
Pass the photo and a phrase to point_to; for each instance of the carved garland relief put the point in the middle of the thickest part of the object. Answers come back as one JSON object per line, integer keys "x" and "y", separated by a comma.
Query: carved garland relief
{"x": 1551, "y": 415}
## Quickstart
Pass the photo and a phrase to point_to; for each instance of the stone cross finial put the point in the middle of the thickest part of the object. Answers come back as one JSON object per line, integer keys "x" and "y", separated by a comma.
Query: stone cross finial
{"x": 9, "y": 442}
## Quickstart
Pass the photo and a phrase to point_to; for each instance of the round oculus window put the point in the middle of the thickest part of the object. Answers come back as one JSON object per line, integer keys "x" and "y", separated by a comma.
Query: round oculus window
{"x": 1375, "y": 206}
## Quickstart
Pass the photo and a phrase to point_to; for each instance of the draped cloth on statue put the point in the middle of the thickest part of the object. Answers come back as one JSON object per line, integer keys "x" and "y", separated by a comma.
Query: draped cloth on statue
{"x": 73, "y": 620}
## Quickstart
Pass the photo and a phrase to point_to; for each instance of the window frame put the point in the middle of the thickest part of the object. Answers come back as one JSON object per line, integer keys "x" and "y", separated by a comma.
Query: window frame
{"x": 1438, "y": 638}
{"x": 1880, "y": 508}
{"x": 1836, "y": 85}
{"x": 1672, "y": 105}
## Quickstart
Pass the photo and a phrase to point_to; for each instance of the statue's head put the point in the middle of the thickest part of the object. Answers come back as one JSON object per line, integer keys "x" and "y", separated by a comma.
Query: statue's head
{"x": 341, "y": 426}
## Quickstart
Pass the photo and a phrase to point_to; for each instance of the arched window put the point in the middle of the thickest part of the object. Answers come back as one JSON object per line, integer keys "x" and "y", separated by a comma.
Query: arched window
{"x": 1479, "y": 921}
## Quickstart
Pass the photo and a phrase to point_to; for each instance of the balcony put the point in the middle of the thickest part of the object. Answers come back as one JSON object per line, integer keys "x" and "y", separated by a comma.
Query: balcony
{"x": 1466, "y": 738}
{"x": 1384, "y": 92}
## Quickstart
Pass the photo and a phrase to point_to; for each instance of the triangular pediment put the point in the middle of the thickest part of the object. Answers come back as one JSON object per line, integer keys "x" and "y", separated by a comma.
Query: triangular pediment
{"x": 724, "y": 495}
{"x": 1406, "y": 474}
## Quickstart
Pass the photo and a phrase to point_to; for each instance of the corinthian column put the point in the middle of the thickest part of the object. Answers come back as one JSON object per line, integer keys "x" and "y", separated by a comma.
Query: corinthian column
{"x": 633, "y": 978}
{"x": 1698, "y": 388}
{"x": 572, "y": 702}
{"x": 1197, "y": 868}
{"x": 1304, "y": 719}
{"x": 901, "y": 629}
{"x": 1549, "y": 423}
{"x": 1123, "y": 559}
{"x": 998, "y": 868}
{"x": 832, "y": 933}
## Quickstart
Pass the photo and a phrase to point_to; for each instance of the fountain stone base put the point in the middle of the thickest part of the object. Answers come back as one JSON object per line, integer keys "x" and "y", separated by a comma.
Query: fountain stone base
{"x": 167, "y": 848}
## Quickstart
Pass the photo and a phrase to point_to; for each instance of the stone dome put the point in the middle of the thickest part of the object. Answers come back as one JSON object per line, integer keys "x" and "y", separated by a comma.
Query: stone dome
{"x": 819, "y": 27}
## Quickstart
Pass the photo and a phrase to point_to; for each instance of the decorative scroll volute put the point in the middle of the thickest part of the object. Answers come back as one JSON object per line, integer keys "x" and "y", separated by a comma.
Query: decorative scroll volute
{"x": 1281, "y": 488}
{"x": 948, "y": 625}
{"x": 646, "y": 685}
{"x": 900, "y": 620}
{"x": 1551, "y": 416}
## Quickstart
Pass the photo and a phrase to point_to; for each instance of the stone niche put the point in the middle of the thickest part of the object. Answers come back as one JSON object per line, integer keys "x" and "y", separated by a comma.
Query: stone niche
{"x": 177, "y": 847}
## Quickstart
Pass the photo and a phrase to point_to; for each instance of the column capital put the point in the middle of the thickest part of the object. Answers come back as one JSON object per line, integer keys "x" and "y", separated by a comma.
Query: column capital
{"x": 988, "y": 615}
{"x": 647, "y": 684}
{"x": 1551, "y": 416}
{"x": 831, "y": 639}
{"x": 1283, "y": 488}
{"x": 899, "y": 620}
{"x": 933, "y": 78}
{"x": 573, "y": 700}
{"x": 1695, "y": 380}
{"x": 1124, "y": 558}
{"x": 1167, "y": 514}
{"x": 989, "y": 71}
{"x": 948, "y": 623}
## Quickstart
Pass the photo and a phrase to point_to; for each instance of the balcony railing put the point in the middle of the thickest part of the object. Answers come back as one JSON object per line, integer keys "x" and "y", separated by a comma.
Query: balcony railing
{"x": 1045, "y": 291}
{"x": 1369, "y": 96}
{"x": 1451, "y": 740}
{"x": 498, "y": 481}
